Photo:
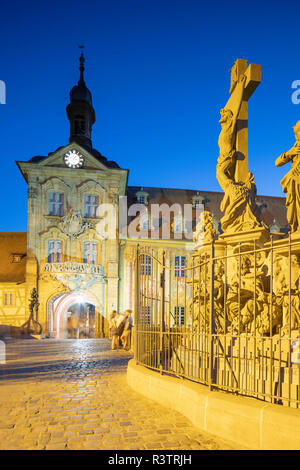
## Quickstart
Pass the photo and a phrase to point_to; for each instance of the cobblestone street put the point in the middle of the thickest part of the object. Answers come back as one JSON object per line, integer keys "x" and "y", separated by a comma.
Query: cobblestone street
{"x": 73, "y": 394}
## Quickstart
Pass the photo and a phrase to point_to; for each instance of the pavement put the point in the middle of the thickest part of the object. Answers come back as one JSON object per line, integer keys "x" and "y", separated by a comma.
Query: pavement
{"x": 73, "y": 394}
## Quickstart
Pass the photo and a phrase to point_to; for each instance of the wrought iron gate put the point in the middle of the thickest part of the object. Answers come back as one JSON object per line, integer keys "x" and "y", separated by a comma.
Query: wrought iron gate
{"x": 239, "y": 334}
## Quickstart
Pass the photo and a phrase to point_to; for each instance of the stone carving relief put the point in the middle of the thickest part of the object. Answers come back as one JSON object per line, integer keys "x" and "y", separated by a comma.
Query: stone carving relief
{"x": 74, "y": 276}
{"x": 236, "y": 309}
{"x": 73, "y": 224}
{"x": 205, "y": 231}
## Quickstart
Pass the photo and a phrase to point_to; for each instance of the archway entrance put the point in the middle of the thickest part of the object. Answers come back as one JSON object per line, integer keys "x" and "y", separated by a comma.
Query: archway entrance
{"x": 72, "y": 315}
{"x": 80, "y": 321}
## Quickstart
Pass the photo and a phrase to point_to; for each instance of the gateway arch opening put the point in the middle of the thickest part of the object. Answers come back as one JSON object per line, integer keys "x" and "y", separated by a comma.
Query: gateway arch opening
{"x": 80, "y": 321}
{"x": 72, "y": 315}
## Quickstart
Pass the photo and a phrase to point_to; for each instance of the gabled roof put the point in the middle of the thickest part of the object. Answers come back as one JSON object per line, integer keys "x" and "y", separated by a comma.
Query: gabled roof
{"x": 94, "y": 152}
{"x": 12, "y": 243}
{"x": 93, "y": 162}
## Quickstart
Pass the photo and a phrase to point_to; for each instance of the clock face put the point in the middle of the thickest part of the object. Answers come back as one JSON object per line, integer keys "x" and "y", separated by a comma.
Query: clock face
{"x": 73, "y": 159}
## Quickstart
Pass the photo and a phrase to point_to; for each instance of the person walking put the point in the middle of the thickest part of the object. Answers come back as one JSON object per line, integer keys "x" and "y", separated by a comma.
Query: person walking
{"x": 120, "y": 321}
{"x": 127, "y": 330}
{"x": 75, "y": 329}
{"x": 113, "y": 330}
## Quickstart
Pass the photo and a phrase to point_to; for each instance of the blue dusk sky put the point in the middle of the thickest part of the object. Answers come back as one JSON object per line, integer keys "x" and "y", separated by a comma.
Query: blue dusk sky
{"x": 159, "y": 74}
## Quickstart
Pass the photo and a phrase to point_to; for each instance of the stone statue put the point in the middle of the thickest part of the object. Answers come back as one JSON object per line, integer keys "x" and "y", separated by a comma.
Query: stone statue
{"x": 291, "y": 181}
{"x": 205, "y": 231}
{"x": 227, "y": 137}
{"x": 232, "y": 171}
{"x": 286, "y": 287}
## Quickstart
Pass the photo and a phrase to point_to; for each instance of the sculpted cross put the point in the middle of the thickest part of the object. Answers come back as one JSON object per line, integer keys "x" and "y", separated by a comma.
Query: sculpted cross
{"x": 232, "y": 168}
{"x": 244, "y": 81}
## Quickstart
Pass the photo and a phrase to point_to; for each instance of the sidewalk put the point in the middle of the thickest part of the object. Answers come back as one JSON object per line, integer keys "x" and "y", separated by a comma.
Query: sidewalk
{"x": 73, "y": 394}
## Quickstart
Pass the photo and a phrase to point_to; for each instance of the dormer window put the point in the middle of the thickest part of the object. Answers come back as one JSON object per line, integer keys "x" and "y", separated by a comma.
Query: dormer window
{"x": 274, "y": 227}
{"x": 142, "y": 197}
{"x": 197, "y": 200}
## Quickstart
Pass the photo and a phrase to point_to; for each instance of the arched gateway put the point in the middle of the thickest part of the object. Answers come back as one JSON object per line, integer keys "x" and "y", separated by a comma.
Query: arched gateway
{"x": 72, "y": 315}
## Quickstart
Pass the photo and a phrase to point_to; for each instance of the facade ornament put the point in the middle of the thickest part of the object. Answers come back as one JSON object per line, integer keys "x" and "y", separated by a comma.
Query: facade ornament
{"x": 73, "y": 275}
{"x": 73, "y": 224}
{"x": 114, "y": 198}
{"x": 291, "y": 181}
{"x": 76, "y": 282}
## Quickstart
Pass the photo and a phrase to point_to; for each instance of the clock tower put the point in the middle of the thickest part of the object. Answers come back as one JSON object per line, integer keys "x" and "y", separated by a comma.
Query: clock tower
{"x": 80, "y": 111}
{"x": 73, "y": 260}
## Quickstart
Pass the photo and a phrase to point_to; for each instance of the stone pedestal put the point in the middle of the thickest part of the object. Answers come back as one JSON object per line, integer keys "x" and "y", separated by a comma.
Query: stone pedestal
{"x": 285, "y": 245}
{"x": 206, "y": 249}
{"x": 259, "y": 235}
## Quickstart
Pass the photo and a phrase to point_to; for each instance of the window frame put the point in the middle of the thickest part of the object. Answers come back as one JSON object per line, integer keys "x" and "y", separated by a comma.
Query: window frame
{"x": 11, "y": 297}
{"x": 88, "y": 205}
{"x": 145, "y": 265}
{"x": 179, "y": 315}
{"x": 180, "y": 266}
{"x": 58, "y": 252}
{"x": 85, "y": 259}
{"x": 56, "y": 204}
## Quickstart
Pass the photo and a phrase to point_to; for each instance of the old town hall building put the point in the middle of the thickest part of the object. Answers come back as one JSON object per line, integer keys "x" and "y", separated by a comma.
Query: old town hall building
{"x": 65, "y": 256}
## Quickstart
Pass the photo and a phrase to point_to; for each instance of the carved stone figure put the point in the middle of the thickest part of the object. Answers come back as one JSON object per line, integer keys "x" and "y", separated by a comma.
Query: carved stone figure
{"x": 287, "y": 283}
{"x": 205, "y": 231}
{"x": 199, "y": 306}
{"x": 233, "y": 175}
{"x": 291, "y": 181}
{"x": 227, "y": 137}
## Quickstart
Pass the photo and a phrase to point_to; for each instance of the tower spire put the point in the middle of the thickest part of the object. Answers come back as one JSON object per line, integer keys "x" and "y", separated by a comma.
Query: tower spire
{"x": 80, "y": 110}
{"x": 81, "y": 66}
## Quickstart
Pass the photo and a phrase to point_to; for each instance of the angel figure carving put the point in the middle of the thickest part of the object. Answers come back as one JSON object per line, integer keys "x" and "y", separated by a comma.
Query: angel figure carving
{"x": 291, "y": 181}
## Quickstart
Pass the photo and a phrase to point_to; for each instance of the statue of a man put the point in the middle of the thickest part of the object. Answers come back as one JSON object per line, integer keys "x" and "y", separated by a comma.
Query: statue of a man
{"x": 291, "y": 181}
{"x": 227, "y": 139}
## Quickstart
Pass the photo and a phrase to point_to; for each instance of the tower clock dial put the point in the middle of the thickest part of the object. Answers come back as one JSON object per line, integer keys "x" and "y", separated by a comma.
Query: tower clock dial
{"x": 73, "y": 159}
